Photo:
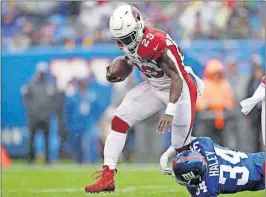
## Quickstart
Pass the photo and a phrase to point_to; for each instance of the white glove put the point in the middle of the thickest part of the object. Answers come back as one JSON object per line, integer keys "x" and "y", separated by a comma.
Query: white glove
{"x": 171, "y": 152}
{"x": 249, "y": 103}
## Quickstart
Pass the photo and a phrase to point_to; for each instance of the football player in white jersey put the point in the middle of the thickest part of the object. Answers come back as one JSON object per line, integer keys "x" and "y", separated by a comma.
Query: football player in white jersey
{"x": 169, "y": 84}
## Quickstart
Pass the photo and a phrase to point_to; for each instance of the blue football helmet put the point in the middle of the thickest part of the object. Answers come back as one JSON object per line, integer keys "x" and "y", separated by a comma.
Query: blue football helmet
{"x": 189, "y": 168}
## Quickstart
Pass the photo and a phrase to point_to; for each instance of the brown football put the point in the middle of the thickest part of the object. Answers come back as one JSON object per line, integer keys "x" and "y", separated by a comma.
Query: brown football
{"x": 121, "y": 67}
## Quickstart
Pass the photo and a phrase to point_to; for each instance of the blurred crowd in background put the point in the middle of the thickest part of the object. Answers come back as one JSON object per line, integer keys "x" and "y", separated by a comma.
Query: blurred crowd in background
{"x": 85, "y": 114}
{"x": 27, "y": 24}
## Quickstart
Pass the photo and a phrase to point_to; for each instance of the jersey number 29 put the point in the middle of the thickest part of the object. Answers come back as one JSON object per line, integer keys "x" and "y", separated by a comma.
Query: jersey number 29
{"x": 234, "y": 158}
{"x": 146, "y": 40}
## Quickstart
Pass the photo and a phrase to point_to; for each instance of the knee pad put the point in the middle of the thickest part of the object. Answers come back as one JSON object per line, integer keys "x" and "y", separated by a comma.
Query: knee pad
{"x": 119, "y": 125}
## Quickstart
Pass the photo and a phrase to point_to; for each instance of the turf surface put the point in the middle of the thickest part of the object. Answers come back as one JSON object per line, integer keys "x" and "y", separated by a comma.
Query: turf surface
{"x": 67, "y": 180}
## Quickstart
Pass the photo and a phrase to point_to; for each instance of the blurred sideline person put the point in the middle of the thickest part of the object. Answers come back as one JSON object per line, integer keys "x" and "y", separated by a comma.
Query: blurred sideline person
{"x": 208, "y": 170}
{"x": 38, "y": 98}
{"x": 253, "y": 117}
{"x": 250, "y": 103}
{"x": 80, "y": 110}
{"x": 215, "y": 103}
{"x": 238, "y": 123}
{"x": 236, "y": 79}
{"x": 60, "y": 113}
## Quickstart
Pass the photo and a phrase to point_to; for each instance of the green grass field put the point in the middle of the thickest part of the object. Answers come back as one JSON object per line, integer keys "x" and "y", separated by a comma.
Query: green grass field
{"x": 67, "y": 180}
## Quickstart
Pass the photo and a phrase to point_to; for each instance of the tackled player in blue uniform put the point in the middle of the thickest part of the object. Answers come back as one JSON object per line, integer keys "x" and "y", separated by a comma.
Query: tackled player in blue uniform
{"x": 208, "y": 170}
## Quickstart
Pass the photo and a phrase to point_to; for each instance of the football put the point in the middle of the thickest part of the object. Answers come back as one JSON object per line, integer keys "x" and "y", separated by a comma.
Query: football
{"x": 121, "y": 67}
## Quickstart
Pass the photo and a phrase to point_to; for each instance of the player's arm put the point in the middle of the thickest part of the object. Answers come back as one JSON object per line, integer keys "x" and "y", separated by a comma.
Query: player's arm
{"x": 170, "y": 69}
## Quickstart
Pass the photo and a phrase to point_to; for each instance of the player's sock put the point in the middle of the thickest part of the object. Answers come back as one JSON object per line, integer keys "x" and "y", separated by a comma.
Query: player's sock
{"x": 114, "y": 145}
{"x": 115, "y": 142}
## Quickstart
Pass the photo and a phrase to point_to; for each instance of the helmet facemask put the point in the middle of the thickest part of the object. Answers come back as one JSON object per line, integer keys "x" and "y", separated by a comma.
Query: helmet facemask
{"x": 131, "y": 40}
{"x": 191, "y": 183}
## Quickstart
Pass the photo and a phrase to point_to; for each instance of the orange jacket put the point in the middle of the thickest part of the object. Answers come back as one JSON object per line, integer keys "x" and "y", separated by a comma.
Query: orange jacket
{"x": 218, "y": 94}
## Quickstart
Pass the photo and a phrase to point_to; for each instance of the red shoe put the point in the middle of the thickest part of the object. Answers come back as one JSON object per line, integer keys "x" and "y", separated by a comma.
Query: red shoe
{"x": 105, "y": 183}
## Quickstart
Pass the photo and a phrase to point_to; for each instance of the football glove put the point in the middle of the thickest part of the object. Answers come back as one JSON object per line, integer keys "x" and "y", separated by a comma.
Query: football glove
{"x": 171, "y": 152}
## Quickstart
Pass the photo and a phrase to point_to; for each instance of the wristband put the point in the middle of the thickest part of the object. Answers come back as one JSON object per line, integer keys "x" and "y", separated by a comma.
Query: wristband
{"x": 170, "y": 109}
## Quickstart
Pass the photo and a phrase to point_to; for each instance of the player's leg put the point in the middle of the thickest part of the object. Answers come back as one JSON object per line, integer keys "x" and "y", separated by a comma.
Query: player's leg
{"x": 185, "y": 115}
{"x": 93, "y": 144}
{"x": 32, "y": 131}
{"x": 77, "y": 146}
{"x": 45, "y": 127}
{"x": 139, "y": 104}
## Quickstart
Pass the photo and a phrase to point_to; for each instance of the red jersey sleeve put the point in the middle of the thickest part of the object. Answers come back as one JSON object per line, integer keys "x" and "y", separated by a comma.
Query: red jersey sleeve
{"x": 153, "y": 44}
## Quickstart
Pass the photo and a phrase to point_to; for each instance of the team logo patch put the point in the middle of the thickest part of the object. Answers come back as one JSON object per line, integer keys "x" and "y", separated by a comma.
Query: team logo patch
{"x": 189, "y": 176}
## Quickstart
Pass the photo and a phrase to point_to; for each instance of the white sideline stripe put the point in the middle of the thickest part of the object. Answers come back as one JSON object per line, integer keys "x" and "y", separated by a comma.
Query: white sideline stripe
{"x": 153, "y": 188}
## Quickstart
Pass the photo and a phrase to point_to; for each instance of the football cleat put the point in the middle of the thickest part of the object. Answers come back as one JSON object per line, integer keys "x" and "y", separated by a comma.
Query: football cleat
{"x": 105, "y": 181}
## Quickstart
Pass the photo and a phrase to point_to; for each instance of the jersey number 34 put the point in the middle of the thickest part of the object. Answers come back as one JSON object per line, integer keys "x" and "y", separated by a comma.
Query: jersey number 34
{"x": 234, "y": 158}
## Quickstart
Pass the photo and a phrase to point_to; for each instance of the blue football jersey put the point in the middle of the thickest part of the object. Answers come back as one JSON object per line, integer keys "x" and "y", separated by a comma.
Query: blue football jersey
{"x": 229, "y": 171}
